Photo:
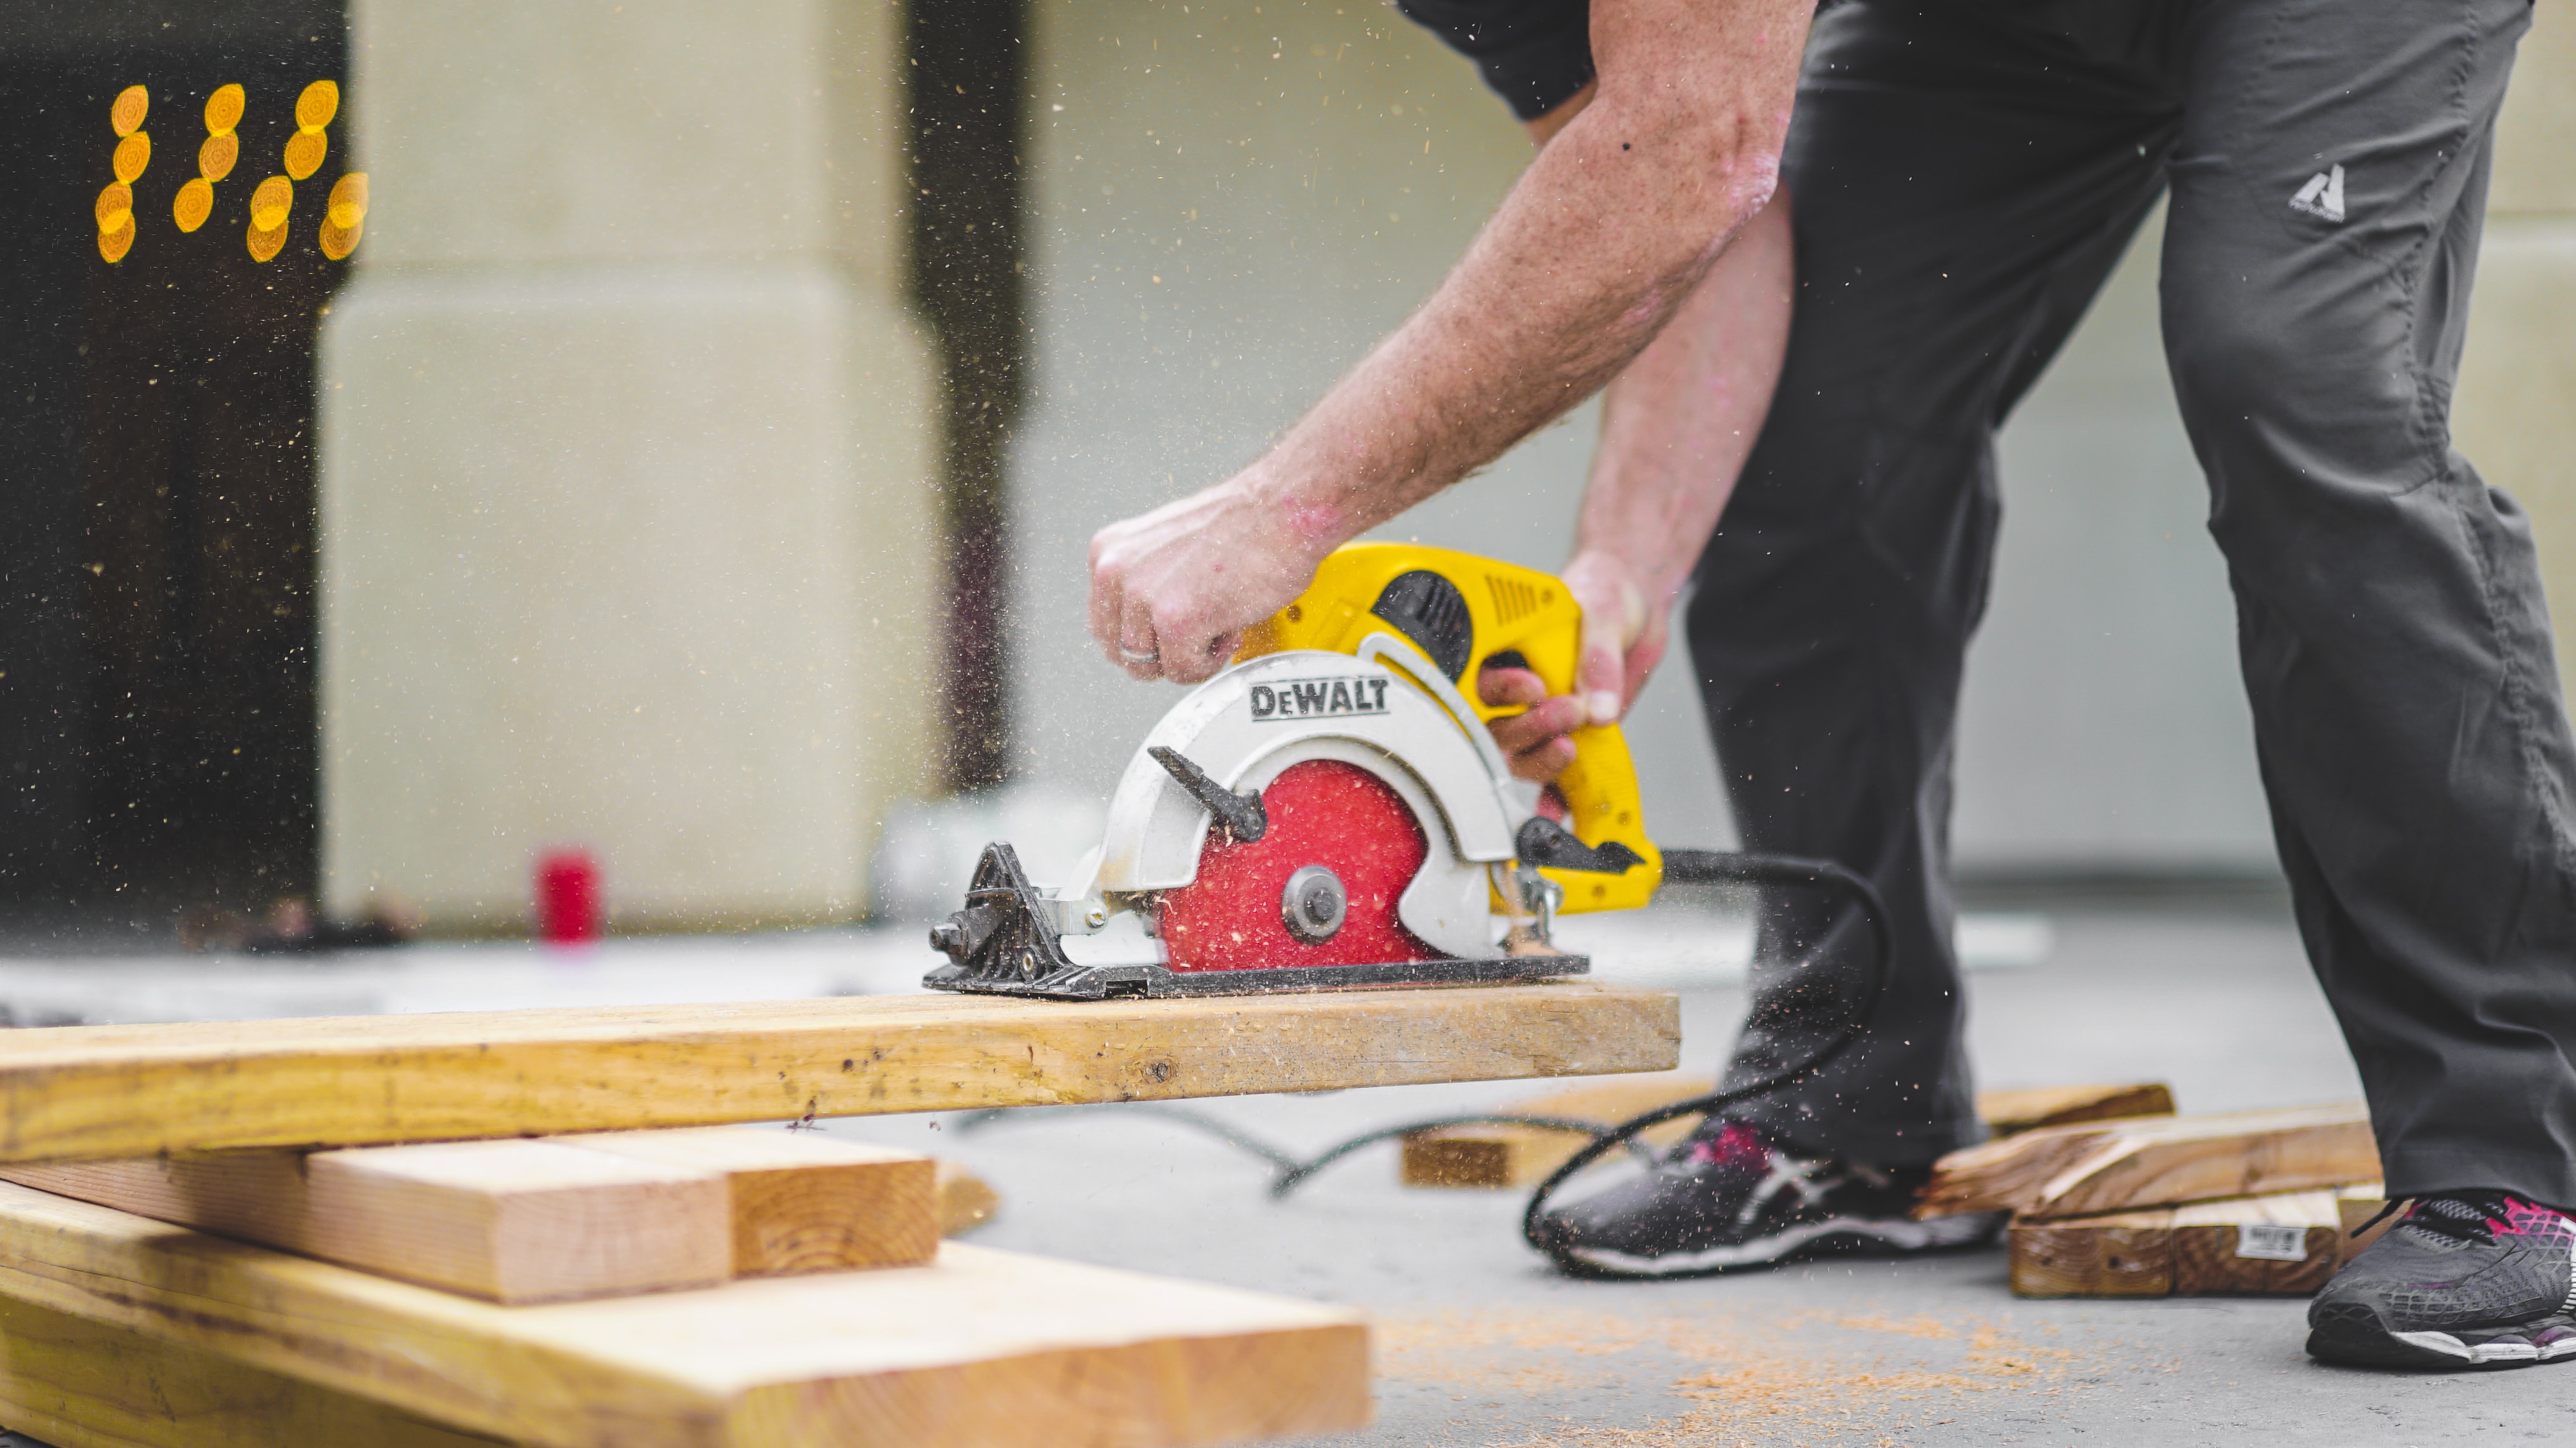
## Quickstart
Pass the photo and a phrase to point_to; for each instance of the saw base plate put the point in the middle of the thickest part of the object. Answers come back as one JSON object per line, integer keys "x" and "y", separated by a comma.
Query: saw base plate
{"x": 1108, "y": 982}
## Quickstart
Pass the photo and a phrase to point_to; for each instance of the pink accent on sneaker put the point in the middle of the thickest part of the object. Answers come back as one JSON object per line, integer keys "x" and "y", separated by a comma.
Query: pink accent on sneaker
{"x": 2530, "y": 1219}
{"x": 1735, "y": 1144}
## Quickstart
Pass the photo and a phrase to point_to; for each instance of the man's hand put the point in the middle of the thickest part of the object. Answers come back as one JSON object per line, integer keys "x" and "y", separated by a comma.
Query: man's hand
{"x": 1173, "y": 590}
{"x": 1602, "y": 240}
{"x": 1623, "y": 640}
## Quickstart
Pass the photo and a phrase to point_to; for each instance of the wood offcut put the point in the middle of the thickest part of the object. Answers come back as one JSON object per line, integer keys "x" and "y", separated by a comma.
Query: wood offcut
{"x": 1520, "y": 1156}
{"x": 2073, "y": 1171}
{"x": 2285, "y": 1245}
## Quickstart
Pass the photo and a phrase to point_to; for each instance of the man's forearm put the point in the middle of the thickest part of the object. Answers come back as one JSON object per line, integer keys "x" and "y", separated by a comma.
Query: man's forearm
{"x": 1678, "y": 424}
{"x": 1603, "y": 238}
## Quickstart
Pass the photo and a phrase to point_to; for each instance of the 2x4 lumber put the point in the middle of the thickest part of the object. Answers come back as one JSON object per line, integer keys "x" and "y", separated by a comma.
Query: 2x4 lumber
{"x": 74, "y": 1383}
{"x": 979, "y": 1347}
{"x": 1519, "y": 1156}
{"x": 801, "y": 1201}
{"x": 510, "y": 1221}
{"x": 2011, "y": 1110}
{"x": 95, "y": 1092}
{"x": 2087, "y": 1170}
{"x": 2282, "y": 1245}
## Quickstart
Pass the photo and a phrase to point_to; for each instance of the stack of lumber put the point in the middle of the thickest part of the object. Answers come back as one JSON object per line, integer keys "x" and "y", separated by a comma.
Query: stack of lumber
{"x": 533, "y": 1228}
{"x": 2255, "y": 1202}
{"x": 1494, "y": 1156}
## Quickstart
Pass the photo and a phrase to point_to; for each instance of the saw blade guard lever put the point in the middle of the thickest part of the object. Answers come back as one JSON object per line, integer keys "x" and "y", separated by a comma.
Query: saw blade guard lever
{"x": 1241, "y": 812}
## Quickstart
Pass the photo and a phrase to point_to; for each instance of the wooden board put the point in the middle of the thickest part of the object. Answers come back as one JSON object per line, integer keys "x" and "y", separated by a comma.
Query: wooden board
{"x": 2012, "y": 1110}
{"x": 1520, "y": 1156}
{"x": 978, "y": 1348}
{"x": 92, "y": 1092}
{"x": 801, "y": 1201}
{"x": 2073, "y": 1171}
{"x": 80, "y": 1384}
{"x": 2204, "y": 1249}
{"x": 511, "y": 1221}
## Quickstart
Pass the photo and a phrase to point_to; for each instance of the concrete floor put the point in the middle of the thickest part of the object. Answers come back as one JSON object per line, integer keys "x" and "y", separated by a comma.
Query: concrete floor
{"x": 1477, "y": 1343}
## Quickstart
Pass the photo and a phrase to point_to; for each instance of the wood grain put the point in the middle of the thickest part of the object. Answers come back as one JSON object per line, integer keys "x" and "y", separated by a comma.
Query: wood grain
{"x": 2196, "y": 1250}
{"x": 510, "y": 1221}
{"x": 80, "y": 1384}
{"x": 2070, "y": 1171}
{"x": 977, "y": 1348}
{"x": 1519, "y": 1156}
{"x": 2128, "y": 1254}
{"x": 801, "y": 1201}
{"x": 2012, "y": 1110}
{"x": 92, "y": 1092}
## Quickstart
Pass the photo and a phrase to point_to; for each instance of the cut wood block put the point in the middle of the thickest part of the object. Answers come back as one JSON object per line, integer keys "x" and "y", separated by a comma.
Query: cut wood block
{"x": 80, "y": 1384}
{"x": 97, "y": 1092}
{"x": 802, "y": 1201}
{"x": 2073, "y": 1171}
{"x": 2126, "y": 1254}
{"x": 512, "y": 1221}
{"x": 1519, "y": 1156}
{"x": 966, "y": 1201}
{"x": 979, "y": 1347}
{"x": 2284, "y": 1245}
{"x": 2016, "y": 1109}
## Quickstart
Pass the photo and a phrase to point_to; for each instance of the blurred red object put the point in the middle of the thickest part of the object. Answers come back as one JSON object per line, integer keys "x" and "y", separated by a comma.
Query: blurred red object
{"x": 568, "y": 905}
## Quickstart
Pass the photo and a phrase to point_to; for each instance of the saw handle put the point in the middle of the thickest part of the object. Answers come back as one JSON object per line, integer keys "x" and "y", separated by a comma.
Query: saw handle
{"x": 1461, "y": 613}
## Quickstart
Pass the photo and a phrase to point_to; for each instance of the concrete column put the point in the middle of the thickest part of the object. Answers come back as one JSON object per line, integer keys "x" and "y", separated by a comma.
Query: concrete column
{"x": 627, "y": 456}
{"x": 2515, "y": 412}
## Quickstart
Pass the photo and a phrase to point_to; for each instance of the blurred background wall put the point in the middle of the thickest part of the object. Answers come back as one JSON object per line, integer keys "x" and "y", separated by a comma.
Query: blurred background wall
{"x": 697, "y": 457}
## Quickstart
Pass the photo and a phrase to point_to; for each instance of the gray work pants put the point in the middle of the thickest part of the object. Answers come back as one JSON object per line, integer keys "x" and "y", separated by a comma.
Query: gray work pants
{"x": 1964, "y": 175}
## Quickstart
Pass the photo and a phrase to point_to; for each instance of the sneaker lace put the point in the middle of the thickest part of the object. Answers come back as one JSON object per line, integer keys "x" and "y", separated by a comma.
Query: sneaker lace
{"x": 2467, "y": 1217}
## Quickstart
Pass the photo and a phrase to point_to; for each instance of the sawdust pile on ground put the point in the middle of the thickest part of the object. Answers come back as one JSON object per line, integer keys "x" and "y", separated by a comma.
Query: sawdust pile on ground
{"x": 1801, "y": 1378}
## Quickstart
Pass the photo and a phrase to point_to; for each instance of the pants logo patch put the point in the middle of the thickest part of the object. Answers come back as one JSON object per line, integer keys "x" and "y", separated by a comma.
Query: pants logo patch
{"x": 2322, "y": 196}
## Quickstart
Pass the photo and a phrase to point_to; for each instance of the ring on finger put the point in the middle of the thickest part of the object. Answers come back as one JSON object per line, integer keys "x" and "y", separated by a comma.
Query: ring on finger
{"x": 1140, "y": 656}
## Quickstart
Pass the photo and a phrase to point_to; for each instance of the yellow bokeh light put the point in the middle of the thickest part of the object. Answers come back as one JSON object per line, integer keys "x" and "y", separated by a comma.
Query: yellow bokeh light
{"x": 126, "y": 115}
{"x": 269, "y": 206}
{"x": 115, "y": 204}
{"x": 132, "y": 155}
{"x": 338, "y": 241}
{"x": 304, "y": 153}
{"x": 113, "y": 245}
{"x": 264, "y": 244}
{"x": 194, "y": 203}
{"x": 215, "y": 158}
{"x": 349, "y": 201}
{"x": 224, "y": 110}
{"x": 319, "y": 103}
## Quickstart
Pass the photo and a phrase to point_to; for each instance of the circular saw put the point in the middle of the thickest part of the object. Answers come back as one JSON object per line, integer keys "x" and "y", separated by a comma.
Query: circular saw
{"x": 1330, "y": 811}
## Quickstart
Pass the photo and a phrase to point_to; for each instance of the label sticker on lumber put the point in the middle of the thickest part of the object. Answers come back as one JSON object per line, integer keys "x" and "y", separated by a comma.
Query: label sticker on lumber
{"x": 2272, "y": 1243}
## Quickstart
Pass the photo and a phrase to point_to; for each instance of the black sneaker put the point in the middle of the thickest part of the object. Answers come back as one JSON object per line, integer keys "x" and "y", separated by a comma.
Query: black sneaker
{"x": 2465, "y": 1279}
{"x": 1730, "y": 1197}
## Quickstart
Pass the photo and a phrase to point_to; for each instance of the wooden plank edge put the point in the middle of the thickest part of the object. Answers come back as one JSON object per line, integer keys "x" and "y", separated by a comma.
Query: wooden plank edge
{"x": 97, "y": 1092}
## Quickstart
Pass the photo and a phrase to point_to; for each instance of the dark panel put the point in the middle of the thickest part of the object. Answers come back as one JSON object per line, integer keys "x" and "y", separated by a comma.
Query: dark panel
{"x": 969, "y": 68}
{"x": 157, "y": 539}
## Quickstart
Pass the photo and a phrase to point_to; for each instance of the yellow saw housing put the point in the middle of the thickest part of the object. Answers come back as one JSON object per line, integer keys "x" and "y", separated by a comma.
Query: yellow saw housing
{"x": 1459, "y": 612}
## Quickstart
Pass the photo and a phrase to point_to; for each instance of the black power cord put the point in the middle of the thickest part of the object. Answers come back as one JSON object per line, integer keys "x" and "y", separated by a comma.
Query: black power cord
{"x": 1681, "y": 867}
{"x": 1713, "y": 867}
